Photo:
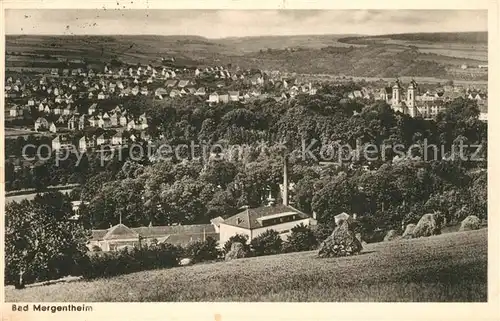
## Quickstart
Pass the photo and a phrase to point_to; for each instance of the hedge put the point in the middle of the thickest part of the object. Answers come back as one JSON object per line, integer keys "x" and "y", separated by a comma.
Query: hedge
{"x": 108, "y": 264}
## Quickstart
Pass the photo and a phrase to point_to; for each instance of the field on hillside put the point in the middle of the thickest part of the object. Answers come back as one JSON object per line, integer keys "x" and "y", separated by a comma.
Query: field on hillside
{"x": 451, "y": 267}
{"x": 465, "y": 45}
{"x": 252, "y": 44}
{"x": 418, "y": 55}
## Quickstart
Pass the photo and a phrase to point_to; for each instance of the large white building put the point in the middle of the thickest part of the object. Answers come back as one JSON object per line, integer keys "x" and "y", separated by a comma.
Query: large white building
{"x": 252, "y": 222}
{"x": 412, "y": 102}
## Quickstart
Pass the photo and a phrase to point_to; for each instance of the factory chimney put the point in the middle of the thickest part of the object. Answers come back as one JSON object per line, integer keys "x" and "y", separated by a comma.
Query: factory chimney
{"x": 285, "y": 181}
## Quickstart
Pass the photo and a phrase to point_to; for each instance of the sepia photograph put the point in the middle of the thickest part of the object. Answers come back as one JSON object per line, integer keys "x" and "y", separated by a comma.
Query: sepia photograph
{"x": 223, "y": 155}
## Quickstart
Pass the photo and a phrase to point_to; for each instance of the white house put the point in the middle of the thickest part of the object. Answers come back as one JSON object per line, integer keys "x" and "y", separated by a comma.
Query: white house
{"x": 92, "y": 109}
{"x": 255, "y": 221}
{"x": 56, "y": 143}
{"x": 82, "y": 144}
{"x": 123, "y": 120}
{"x": 16, "y": 111}
{"x": 117, "y": 139}
{"x": 213, "y": 98}
{"x": 131, "y": 125}
{"x": 41, "y": 123}
{"x": 100, "y": 140}
{"x": 252, "y": 222}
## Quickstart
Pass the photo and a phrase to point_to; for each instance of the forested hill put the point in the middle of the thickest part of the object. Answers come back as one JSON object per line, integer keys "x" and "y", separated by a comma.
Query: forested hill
{"x": 480, "y": 37}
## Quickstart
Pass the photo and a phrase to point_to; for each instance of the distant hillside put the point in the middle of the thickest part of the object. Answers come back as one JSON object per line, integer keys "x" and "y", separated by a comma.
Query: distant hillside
{"x": 251, "y": 44}
{"x": 363, "y": 56}
{"x": 130, "y": 49}
{"x": 363, "y": 61}
{"x": 437, "y": 37}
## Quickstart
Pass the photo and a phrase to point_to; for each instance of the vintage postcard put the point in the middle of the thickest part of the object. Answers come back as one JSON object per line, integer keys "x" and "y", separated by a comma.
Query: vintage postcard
{"x": 222, "y": 153}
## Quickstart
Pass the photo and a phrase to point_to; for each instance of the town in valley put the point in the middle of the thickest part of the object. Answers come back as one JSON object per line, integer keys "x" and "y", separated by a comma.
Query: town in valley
{"x": 92, "y": 195}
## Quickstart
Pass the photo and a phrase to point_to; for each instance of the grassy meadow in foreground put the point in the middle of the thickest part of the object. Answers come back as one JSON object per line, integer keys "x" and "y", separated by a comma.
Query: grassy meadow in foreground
{"x": 449, "y": 267}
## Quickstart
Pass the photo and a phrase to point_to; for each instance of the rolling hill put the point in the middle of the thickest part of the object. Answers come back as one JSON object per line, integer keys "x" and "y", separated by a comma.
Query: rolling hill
{"x": 431, "y": 55}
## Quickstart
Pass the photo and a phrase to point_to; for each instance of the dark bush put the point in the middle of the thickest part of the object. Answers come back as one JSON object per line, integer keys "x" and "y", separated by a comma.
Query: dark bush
{"x": 267, "y": 243}
{"x": 107, "y": 264}
{"x": 322, "y": 231}
{"x": 202, "y": 250}
{"x": 302, "y": 238}
{"x": 240, "y": 238}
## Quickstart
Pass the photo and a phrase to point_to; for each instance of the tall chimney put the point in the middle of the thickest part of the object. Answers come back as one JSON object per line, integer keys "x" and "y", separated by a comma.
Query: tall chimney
{"x": 285, "y": 181}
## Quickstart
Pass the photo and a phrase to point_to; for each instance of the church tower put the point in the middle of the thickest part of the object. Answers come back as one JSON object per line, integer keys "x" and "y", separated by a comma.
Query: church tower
{"x": 410, "y": 99}
{"x": 396, "y": 93}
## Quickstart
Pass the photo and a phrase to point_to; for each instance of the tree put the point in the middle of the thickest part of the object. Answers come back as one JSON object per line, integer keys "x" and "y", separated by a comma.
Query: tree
{"x": 304, "y": 193}
{"x": 301, "y": 238}
{"x": 219, "y": 173}
{"x": 41, "y": 242}
{"x": 240, "y": 238}
{"x": 267, "y": 243}
{"x": 203, "y": 250}
{"x": 339, "y": 195}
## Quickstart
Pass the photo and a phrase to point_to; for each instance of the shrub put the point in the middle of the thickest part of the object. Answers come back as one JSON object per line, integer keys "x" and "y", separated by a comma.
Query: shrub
{"x": 267, "y": 243}
{"x": 408, "y": 233}
{"x": 429, "y": 224}
{"x": 302, "y": 238}
{"x": 342, "y": 242}
{"x": 471, "y": 222}
{"x": 391, "y": 236}
{"x": 322, "y": 231}
{"x": 240, "y": 238}
{"x": 202, "y": 250}
{"x": 237, "y": 252}
{"x": 107, "y": 264}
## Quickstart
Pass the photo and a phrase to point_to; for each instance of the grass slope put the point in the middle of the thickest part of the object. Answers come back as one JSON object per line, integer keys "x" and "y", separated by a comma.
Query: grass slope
{"x": 449, "y": 267}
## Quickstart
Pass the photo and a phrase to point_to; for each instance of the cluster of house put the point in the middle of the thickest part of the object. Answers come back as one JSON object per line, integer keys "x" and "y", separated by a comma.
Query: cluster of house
{"x": 426, "y": 104}
{"x": 59, "y": 95}
{"x": 86, "y": 143}
{"x": 115, "y": 118}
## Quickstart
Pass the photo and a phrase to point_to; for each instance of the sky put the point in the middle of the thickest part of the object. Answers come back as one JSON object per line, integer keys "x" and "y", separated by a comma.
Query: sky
{"x": 242, "y": 23}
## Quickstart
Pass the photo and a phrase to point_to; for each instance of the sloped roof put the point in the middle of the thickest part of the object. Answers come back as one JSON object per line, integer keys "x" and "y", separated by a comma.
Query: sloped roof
{"x": 170, "y": 82}
{"x": 248, "y": 219}
{"x": 172, "y": 230}
{"x": 216, "y": 221}
{"x": 183, "y": 83}
{"x": 120, "y": 231}
{"x": 179, "y": 234}
{"x": 98, "y": 234}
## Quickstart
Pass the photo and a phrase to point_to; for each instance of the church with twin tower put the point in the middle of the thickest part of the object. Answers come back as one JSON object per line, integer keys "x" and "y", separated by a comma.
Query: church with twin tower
{"x": 412, "y": 103}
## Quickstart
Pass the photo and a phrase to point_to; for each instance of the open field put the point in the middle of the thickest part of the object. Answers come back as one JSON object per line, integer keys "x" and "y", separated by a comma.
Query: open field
{"x": 449, "y": 267}
{"x": 418, "y": 55}
{"x": 466, "y": 45}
